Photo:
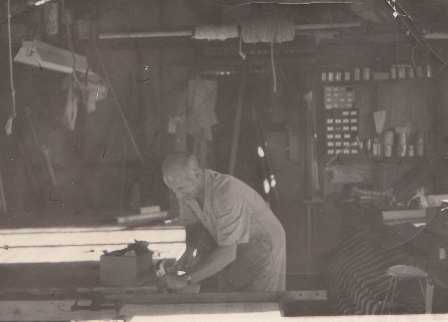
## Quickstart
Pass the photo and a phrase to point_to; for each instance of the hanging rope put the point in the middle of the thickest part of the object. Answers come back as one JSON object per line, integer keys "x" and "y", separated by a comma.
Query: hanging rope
{"x": 240, "y": 48}
{"x": 274, "y": 73}
{"x": 8, "y": 127}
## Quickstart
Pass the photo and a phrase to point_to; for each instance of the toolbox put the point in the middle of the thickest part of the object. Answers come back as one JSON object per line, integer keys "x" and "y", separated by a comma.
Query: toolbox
{"x": 126, "y": 267}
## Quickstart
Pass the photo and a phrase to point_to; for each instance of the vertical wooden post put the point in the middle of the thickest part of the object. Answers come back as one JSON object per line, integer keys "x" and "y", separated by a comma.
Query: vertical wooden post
{"x": 3, "y": 206}
{"x": 237, "y": 125}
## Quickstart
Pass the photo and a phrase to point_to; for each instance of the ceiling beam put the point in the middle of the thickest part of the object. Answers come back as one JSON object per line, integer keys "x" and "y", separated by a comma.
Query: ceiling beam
{"x": 190, "y": 33}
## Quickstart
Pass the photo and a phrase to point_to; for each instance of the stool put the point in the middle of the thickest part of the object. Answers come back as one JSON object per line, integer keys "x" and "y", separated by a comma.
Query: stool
{"x": 402, "y": 272}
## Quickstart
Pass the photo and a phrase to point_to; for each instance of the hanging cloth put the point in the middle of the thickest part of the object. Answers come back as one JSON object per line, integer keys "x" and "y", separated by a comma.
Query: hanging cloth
{"x": 201, "y": 116}
{"x": 201, "y": 102}
{"x": 71, "y": 108}
{"x": 271, "y": 28}
{"x": 93, "y": 92}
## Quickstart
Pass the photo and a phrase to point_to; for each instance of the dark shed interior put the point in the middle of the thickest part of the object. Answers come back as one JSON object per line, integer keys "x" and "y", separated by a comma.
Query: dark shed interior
{"x": 338, "y": 121}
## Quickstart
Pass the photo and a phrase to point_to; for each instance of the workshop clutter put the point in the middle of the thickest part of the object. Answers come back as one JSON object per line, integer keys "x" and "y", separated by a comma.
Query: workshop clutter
{"x": 131, "y": 266}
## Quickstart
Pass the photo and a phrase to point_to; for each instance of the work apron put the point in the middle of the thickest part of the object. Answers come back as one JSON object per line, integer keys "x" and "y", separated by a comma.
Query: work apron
{"x": 260, "y": 264}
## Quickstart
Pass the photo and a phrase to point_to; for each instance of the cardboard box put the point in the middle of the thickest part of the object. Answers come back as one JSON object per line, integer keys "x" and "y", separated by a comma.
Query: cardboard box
{"x": 126, "y": 270}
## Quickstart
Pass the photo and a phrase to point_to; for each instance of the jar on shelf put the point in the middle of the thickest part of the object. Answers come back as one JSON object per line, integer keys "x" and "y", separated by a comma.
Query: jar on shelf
{"x": 376, "y": 147}
{"x": 420, "y": 145}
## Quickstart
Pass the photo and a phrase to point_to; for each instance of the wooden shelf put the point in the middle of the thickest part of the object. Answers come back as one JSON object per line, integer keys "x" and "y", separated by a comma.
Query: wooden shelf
{"x": 373, "y": 81}
{"x": 374, "y": 159}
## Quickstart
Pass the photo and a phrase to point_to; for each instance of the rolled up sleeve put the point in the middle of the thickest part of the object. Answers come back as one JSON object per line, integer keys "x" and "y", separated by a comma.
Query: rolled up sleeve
{"x": 232, "y": 221}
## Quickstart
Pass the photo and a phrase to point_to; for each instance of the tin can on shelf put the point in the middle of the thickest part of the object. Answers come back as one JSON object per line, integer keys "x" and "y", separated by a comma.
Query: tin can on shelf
{"x": 338, "y": 76}
{"x": 357, "y": 74}
{"x": 330, "y": 76}
{"x": 411, "y": 72}
{"x": 411, "y": 151}
{"x": 323, "y": 77}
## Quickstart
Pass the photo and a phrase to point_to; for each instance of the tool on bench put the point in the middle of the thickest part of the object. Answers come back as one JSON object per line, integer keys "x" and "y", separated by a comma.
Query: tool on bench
{"x": 138, "y": 248}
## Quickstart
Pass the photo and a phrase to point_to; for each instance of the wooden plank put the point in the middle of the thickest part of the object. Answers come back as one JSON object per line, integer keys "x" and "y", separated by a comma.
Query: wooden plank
{"x": 232, "y": 297}
{"x": 60, "y": 308}
{"x": 270, "y": 310}
{"x": 54, "y": 310}
{"x": 142, "y": 217}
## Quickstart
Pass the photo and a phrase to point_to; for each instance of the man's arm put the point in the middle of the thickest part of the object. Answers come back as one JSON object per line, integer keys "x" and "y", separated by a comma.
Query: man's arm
{"x": 218, "y": 259}
{"x": 192, "y": 235}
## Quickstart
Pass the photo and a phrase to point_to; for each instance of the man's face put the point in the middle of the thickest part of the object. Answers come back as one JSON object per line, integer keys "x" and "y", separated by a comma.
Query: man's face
{"x": 183, "y": 184}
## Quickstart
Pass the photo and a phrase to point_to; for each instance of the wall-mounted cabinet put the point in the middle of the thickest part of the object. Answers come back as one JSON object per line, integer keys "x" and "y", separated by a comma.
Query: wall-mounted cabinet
{"x": 380, "y": 159}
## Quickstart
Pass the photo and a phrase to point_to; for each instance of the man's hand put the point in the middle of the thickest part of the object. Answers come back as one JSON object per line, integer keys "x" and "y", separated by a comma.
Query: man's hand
{"x": 175, "y": 282}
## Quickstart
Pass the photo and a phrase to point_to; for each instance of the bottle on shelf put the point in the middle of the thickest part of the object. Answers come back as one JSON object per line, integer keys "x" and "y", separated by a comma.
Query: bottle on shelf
{"x": 376, "y": 147}
{"x": 420, "y": 144}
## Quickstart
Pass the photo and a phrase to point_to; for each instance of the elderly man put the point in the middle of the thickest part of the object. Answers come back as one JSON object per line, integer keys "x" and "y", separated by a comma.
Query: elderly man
{"x": 250, "y": 252}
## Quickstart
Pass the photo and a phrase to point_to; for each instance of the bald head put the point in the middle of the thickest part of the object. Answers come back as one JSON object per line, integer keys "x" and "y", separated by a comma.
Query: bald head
{"x": 179, "y": 161}
{"x": 182, "y": 174}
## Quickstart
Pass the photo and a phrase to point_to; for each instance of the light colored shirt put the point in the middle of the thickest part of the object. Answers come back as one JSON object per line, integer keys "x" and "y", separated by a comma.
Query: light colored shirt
{"x": 235, "y": 214}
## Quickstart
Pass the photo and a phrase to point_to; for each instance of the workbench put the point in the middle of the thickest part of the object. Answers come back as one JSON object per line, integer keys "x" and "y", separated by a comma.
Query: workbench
{"x": 53, "y": 274}
{"x": 114, "y": 304}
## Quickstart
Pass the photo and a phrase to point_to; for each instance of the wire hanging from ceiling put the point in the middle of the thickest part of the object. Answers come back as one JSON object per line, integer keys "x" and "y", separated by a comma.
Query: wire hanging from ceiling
{"x": 8, "y": 127}
{"x": 407, "y": 20}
